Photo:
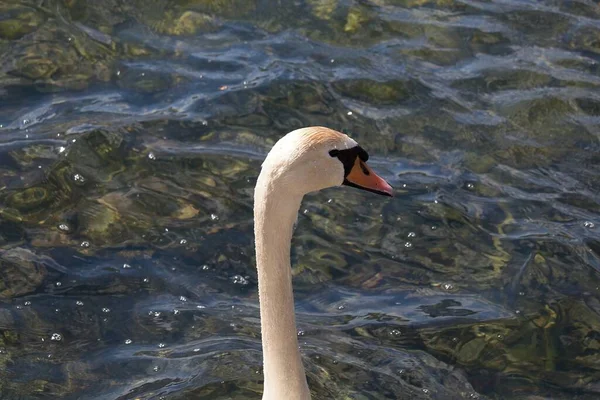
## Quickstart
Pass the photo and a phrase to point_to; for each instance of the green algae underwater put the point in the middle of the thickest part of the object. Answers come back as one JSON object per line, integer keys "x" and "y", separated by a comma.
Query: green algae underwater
{"x": 131, "y": 136}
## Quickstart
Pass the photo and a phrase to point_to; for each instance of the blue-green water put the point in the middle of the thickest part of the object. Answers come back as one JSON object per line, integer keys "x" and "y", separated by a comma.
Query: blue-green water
{"x": 131, "y": 137}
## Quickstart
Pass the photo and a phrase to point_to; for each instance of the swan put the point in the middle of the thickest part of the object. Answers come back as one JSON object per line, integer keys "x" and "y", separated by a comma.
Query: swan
{"x": 303, "y": 161}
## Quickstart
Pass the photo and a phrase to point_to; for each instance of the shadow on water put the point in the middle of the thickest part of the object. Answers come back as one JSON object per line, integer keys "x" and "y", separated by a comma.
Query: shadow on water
{"x": 131, "y": 135}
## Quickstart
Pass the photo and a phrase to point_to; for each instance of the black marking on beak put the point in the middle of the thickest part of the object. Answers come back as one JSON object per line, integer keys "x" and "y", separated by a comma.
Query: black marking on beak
{"x": 348, "y": 157}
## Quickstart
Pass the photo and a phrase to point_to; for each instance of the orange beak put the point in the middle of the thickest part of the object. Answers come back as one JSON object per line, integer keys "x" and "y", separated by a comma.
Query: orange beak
{"x": 363, "y": 177}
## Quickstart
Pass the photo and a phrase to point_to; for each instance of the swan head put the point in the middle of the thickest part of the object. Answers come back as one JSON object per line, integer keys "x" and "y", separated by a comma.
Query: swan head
{"x": 314, "y": 158}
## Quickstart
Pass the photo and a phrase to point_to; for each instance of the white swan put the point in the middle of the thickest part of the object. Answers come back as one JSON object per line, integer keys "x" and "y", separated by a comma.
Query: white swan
{"x": 303, "y": 161}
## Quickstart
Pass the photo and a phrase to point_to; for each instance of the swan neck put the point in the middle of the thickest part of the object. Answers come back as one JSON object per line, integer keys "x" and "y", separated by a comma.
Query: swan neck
{"x": 275, "y": 212}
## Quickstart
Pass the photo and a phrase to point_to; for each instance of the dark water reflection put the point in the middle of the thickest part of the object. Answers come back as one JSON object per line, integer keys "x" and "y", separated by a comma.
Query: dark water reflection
{"x": 131, "y": 134}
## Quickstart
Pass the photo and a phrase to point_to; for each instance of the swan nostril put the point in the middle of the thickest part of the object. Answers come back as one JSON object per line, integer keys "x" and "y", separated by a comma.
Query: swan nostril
{"x": 364, "y": 168}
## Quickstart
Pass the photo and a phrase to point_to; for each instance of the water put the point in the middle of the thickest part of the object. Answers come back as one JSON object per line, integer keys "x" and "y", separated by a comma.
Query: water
{"x": 131, "y": 135}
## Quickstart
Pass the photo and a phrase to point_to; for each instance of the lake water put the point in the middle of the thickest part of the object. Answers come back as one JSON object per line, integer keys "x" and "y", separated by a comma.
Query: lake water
{"x": 131, "y": 137}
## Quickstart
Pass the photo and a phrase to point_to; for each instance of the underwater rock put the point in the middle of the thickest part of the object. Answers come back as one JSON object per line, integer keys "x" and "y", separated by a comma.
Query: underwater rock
{"x": 587, "y": 38}
{"x": 21, "y": 273}
{"x": 356, "y": 19}
{"x": 18, "y": 21}
{"x": 188, "y": 23}
{"x": 98, "y": 155}
{"x": 375, "y": 93}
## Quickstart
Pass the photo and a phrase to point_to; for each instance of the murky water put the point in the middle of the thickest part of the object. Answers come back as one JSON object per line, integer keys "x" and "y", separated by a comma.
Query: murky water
{"x": 131, "y": 136}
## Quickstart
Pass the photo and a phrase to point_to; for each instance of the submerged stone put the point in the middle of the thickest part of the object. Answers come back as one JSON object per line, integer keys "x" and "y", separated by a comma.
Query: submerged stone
{"x": 21, "y": 273}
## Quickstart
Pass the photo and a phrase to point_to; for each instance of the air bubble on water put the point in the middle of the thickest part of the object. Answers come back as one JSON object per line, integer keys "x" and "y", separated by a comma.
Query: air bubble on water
{"x": 408, "y": 245}
{"x": 448, "y": 286}
{"x": 521, "y": 293}
{"x": 19, "y": 307}
{"x": 470, "y": 186}
{"x": 335, "y": 362}
{"x": 305, "y": 211}
{"x": 175, "y": 311}
{"x": 106, "y": 310}
{"x": 425, "y": 390}
{"x": 332, "y": 60}
{"x": 404, "y": 185}
{"x": 200, "y": 307}
{"x": 330, "y": 201}
{"x": 435, "y": 202}
{"x": 196, "y": 350}
{"x": 455, "y": 339}
{"x": 56, "y": 337}
{"x": 63, "y": 227}
{"x": 589, "y": 224}
{"x": 56, "y": 310}
{"x": 146, "y": 280}
{"x": 156, "y": 314}
{"x": 151, "y": 156}
{"x": 411, "y": 234}
{"x": 500, "y": 336}
{"x": 85, "y": 244}
{"x": 128, "y": 341}
{"x": 395, "y": 332}
{"x": 79, "y": 178}
{"x": 214, "y": 217}
{"x": 341, "y": 307}
{"x": 400, "y": 371}
{"x": 27, "y": 303}
{"x": 473, "y": 396}
{"x": 61, "y": 149}
{"x": 161, "y": 345}
{"x": 433, "y": 227}
{"x": 301, "y": 332}
{"x": 25, "y": 121}
{"x": 182, "y": 298}
{"x": 58, "y": 284}
{"x": 239, "y": 280}
{"x": 182, "y": 241}
{"x": 155, "y": 369}
{"x": 126, "y": 266}
{"x": 349, "y": 112}
{"x": 517, "y": 311}
{"x": 79, "y": 302}
{"x": 205, "y": 267}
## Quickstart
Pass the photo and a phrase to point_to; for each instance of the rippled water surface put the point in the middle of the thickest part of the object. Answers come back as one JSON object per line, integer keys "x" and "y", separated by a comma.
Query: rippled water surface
{"x": 131, "y": 136}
